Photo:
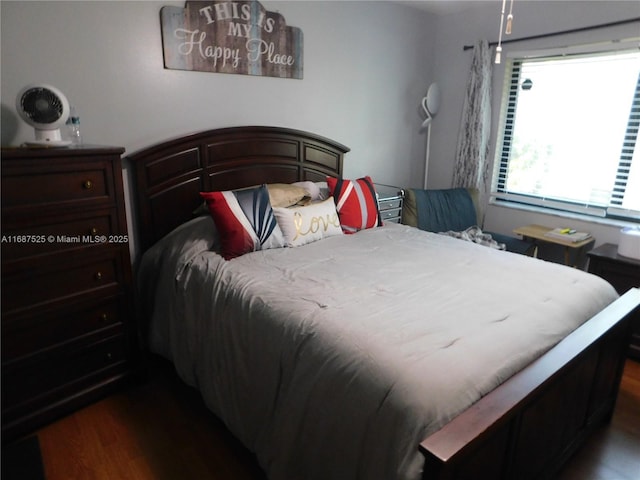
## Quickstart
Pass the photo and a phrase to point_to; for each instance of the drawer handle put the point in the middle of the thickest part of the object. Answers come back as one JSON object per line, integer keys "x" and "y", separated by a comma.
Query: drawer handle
{"x": 104, "y": 317}
{"x": 94, "y": 231}
{"x": 99, "y": 276}
{"x": 108, "y": 356}
{"x": 87, "y": 184}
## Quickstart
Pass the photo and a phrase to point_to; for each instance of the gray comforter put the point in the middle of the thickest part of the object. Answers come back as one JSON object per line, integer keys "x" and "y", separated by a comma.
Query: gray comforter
{"x": 335, "y": 359}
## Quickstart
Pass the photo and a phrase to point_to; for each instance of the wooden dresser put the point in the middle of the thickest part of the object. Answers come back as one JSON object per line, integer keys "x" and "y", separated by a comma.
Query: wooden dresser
{"x": 67, "y": 323}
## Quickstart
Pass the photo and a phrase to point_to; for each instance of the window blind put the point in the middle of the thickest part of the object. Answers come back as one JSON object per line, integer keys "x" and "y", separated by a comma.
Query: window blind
{"x": 529, "y": 167}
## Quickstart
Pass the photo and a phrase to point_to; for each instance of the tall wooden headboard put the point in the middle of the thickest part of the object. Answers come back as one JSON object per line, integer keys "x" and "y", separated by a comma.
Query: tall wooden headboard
{"x": 170, "y": 175}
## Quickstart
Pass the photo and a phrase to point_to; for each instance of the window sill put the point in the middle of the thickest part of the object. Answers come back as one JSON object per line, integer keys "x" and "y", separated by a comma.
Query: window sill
{"x": 607, "y": 222}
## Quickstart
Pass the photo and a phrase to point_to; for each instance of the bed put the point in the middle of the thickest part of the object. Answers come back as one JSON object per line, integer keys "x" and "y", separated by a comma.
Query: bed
{"x": 388, "y": 353}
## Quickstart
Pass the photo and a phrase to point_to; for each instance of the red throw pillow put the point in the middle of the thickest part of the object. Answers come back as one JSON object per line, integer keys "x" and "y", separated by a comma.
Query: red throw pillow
{"x": 356, "y": 203}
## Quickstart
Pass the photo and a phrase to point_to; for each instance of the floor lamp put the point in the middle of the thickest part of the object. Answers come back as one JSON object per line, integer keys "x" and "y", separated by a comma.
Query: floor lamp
{"x": 430, "y": 105}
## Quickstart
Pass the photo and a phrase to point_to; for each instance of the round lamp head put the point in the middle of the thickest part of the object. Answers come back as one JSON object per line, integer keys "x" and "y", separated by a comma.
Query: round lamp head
{"x": 433, "y": 99}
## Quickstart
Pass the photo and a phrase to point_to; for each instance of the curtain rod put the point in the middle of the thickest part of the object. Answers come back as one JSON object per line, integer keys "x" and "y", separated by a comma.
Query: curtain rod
{"x": 553, "y": 34}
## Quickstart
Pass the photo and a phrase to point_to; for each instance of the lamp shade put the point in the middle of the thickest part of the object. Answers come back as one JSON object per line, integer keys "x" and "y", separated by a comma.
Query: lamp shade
{"x": 432, "y": 100}
{"x": 431, "y": 103}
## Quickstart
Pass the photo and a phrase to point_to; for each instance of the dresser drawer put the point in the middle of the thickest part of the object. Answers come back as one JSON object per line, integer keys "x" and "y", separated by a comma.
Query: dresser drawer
{"x": 393, "y": 204}
{"x": 389, "y": 215}
{"x": 50, "y": 376}
{"x": 84, "y": 185}
{"x": 37, "y": 283}
{"x": 56, "y": 233}
{"x": 28, "y": 335}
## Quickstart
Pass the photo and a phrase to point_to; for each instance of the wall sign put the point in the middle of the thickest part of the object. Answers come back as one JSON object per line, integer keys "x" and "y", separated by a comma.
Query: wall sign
{"x": 231, "y": 37}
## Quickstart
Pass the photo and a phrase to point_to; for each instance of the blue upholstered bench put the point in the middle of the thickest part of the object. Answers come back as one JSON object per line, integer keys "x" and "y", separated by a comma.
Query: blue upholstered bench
{"x": 453, "y": 209}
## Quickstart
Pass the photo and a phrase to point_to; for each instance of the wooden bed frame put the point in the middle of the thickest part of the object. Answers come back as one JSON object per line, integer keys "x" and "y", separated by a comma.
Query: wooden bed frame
{"x": 526, "y": 428}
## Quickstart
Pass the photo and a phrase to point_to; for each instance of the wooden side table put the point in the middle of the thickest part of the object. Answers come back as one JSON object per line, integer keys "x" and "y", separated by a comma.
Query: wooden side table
{"x": 538, "y": 233}
{"x": 621, "y": 272}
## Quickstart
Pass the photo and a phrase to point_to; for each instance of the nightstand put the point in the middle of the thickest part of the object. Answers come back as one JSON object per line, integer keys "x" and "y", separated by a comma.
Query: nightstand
{"x": 389, "y": 202}
{"x": 621, "y": 272}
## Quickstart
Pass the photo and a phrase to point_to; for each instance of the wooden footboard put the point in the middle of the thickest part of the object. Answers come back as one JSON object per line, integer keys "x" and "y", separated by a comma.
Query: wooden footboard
{"x": 529, "y": 427}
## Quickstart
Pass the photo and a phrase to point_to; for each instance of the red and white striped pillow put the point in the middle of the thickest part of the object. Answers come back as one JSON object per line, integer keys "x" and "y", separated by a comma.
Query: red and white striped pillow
{"x": 356, "y": 203}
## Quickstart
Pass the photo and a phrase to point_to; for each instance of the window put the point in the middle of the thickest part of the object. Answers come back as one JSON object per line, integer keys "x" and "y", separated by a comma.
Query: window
{"x": 569, "y": 129}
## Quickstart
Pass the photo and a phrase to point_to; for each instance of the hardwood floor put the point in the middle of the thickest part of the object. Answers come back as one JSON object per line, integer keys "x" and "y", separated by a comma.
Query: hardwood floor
{"x": 613, "y": 453}
{"x": 160, "y": 430}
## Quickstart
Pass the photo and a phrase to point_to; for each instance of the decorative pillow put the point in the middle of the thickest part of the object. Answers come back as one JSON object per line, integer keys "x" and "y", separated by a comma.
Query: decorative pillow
{"x": 245, "y": 221}
{"x": 356, "y": 203}
{"x": 306, "y": 224}
{"x": 286, "y": 195}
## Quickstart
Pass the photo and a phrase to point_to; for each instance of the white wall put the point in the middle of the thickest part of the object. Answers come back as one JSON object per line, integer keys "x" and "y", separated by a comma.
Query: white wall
{"x": 366, "y": 66}
{"x": 450, "y": 70}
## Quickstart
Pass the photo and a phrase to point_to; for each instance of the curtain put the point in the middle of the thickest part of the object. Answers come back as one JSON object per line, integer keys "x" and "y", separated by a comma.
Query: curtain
{"x": 472, "y": 151}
